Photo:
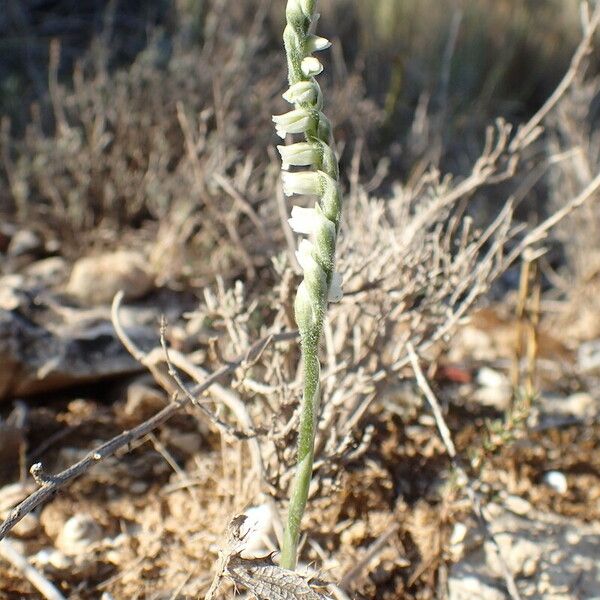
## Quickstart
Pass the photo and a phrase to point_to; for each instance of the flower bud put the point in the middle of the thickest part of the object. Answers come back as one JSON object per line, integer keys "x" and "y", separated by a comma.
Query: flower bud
{"x": 311, "y": 66}
{"x": 314, "y": 43}
{"x": 303, "y": 91}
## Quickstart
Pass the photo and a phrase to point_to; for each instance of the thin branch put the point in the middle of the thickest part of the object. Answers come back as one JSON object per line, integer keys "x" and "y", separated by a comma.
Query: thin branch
{"x": 52, "y": 484}
{"x": 456, "y": 463}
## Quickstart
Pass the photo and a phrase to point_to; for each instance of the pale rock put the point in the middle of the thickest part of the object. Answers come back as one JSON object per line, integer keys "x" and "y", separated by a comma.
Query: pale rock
{"x": 459, "y": 533}
{"x": 518, "y": 506}
{"x": 77, "y": 534}
{"x": 580, "y": 405}
{"x": 138, "y": 488}
{"x": 470, "y": 587}
{"x": 588, "y": 357}
{"x": 521, "y": 555}
{"x": 495, "y": 390}
{"x": 557, "y": 481}
{"x": 11, "y": 291}
{"x": 50, "y": 557}
{"x": 96, "y": 279}
{"x": 13, "y": 493}
{"x": 24, "y": 242}
{"x": 491, "y": 378}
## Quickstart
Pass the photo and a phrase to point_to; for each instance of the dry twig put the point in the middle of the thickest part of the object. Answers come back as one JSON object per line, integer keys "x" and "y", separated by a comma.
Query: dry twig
{"x": 51, "y": 484}
{"x": 10, "y": 554}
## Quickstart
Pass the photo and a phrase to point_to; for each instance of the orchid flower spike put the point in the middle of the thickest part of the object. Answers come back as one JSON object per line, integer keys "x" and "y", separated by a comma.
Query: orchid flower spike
{"x": 316, "y": 254}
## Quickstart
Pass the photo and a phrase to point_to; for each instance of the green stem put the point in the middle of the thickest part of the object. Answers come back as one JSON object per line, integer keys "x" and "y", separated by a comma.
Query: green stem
{"x": 306, "y": 448}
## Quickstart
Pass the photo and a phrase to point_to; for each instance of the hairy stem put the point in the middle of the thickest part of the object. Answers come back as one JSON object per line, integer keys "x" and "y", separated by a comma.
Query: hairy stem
{"x": 316, "y": 255}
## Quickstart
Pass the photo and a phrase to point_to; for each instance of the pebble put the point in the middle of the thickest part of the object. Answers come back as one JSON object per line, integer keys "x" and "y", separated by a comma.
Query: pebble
{"x": 588, "y": 357}
{"x": 143, "y": 400}
{"x": 458, "y": 534}
{"x": 521, "y": 555}
{"x": 580, "y": 405}
{"x": 518, "y": 506}
{"x": 79, "y": 532}
{"x": 96, "y": 279}
{"x": 50, "y": 557}
{"x": 470, "y": 587}
{"x": 24, "y": 242}
{"x": 495, "y": 390}
{"x": 491, "y": 378}
{"x": 557, "y": 481}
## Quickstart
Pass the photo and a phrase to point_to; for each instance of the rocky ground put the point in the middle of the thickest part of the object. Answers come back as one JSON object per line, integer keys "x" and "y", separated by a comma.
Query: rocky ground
{"x": 148, "y": 522}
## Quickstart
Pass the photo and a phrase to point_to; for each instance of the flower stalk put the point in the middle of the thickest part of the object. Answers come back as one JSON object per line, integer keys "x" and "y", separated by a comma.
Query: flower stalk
{"x": 316, "y": 255}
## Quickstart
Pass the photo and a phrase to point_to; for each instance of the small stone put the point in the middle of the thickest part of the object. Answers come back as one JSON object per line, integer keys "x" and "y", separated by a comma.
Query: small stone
{"x": 491, "y": 378}
{"x": 24, "y": 242}
{"x": 50, "y": 557}
{"x": 11, "y": 294}
{"x": 588, "y": 357}
{"x": 470, "y": 587}
{"x": 96, "y": 279}
{"x": 521, "y": 556}
{"x": 518, "y": 506}
{"x": 495, "y": 390}
{"x": 458, "y": 534}
{"x": 582, "y": 405}
{"x": 573, "y": 537}
{"x": 557, "y": 481}
{"x": 79, "y": 532}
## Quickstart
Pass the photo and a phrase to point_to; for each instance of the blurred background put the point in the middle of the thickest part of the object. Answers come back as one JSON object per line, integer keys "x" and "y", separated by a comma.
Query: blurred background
{"x": 415, "y": 79}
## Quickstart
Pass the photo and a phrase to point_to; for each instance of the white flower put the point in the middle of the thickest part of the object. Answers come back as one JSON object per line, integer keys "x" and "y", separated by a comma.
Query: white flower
{"x": 305, "y": 257}
{"x": 304, "y": 182}
{"x": 303, "y": 220}
{"x": 310, "y": 66}
{"x": 314, "y": 43}
{"x": 300, "y": 154}
{"x": 295, "y": 121}
{"x": 303, "y": 91}
{"x": 335, "y": 288}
